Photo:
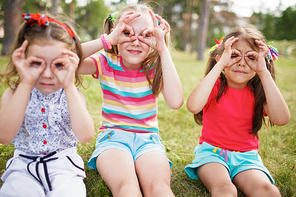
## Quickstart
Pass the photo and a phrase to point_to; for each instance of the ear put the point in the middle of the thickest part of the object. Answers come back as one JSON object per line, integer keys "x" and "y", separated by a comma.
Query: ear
{"x": 217, "y": 58}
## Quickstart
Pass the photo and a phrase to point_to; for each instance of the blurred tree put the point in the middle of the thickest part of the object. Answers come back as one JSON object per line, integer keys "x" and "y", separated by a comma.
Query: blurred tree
{"x": 54, "y": 7}
{"x": 12, "y": 20}
{"x": 202, "y": 29}
{"x": 282, "y": 27}
{"x": 91, "y": 19}
{"x": 285, "y": 27}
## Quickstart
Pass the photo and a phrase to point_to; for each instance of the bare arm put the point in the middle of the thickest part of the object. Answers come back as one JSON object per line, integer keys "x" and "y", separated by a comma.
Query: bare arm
{"x": 200, "y": 95}
{"x": 12, "y": 111}
{"x": 154, "y": 37}
{"x": 172, "y": 88}
{"x": 81, "y": 121}
{"x": 276, "y": 107}
{"x": 14, "y": 103}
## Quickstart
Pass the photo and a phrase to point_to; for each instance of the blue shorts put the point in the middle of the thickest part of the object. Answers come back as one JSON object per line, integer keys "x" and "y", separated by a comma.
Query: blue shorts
{"x": 234, "y": 162}
{"x": 135, "y": 144}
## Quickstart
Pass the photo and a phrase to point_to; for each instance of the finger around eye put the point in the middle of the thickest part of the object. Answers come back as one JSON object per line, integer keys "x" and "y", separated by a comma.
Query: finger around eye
{"x": 235, "y": 54}
{"x": 35, "y": 61}
{"x": 251, "y": 56}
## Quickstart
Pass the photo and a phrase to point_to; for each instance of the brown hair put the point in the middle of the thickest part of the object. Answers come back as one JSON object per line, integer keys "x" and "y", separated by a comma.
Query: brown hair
{"x": 42, "y": 35}
{"x": 249, "y": 34}
{"x": 153, "y": 59}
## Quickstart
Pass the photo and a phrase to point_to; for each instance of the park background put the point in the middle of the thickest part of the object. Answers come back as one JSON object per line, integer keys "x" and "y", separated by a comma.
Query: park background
{"x": 194, "y": 26}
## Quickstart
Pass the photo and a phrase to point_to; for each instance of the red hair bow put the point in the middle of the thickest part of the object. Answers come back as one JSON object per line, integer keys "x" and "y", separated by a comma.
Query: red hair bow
{"x": 42, "y": 20}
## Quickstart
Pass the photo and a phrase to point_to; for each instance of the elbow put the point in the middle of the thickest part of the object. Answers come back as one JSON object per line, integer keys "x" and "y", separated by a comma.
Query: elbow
{"x": 5, "y": 141}
{"x": 88, "y": 135}
{"x": 86, "y": 138}
{"x": 282, "y": 120}
{"x": 176, "y": 105}
{"x": 192, "y": 108}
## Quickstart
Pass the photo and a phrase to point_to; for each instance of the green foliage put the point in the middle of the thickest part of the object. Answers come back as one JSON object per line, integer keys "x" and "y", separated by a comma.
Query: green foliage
{"x": 91, "y": 18}
{"x": 281, "y": 27}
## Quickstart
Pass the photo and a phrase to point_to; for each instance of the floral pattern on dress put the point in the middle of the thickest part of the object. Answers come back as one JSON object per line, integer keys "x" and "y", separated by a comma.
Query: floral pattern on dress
{"x": 46, "y": 126}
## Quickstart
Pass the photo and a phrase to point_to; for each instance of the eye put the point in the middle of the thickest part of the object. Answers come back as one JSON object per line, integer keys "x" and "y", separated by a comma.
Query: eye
{"x": 126, "y": 33}
{"x": 251, "y": 57}
{"x": 36, "y": 64}
{"x": 58, "y": 65}
{"x": 234, "y": 55}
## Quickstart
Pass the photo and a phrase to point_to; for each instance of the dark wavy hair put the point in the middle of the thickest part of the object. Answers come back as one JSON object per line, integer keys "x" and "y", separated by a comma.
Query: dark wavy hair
{"x": 42, "y": 35}
{"x": 249, "y": 34}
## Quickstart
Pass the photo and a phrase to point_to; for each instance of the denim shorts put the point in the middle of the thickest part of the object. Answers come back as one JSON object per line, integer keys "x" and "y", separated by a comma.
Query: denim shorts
{"x": 234, "y": 162}
{"x": 135, "y": 144}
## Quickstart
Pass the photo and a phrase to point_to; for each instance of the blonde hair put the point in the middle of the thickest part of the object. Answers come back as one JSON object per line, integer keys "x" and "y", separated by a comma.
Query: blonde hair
{"x": 153, "y": 59}
{"x": 43, "y": 35}
{"x": 249, "y": 33}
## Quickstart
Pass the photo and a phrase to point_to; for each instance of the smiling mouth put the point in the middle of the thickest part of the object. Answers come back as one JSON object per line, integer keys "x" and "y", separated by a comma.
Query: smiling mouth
{"x": 134, "y": 52}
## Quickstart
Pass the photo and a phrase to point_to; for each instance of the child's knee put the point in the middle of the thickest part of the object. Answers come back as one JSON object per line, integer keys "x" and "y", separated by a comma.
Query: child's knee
{"x": 158, "y": 187}
{"x": 126, "y": 188}
{"x": 268, "y": 189}
{"x": 228, "y": 189}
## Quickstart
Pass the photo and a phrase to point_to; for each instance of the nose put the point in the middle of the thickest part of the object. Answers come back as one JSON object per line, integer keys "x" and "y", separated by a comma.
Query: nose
{"x": 242, "y": 62}
{"x": 136, "y": 41}
{"x": 47, "y": 73}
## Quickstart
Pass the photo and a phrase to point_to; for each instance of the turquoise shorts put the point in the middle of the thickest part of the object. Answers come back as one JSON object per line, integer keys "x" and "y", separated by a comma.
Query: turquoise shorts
{"x": 234, "y": 162}
{"x": 135, "y": 144}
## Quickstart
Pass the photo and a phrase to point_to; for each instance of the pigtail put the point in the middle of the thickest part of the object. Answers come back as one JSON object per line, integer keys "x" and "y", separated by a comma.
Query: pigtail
{"x": 108, "y": 26}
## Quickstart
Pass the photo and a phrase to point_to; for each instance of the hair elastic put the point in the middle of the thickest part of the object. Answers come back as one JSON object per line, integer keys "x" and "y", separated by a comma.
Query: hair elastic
{"x": 112, "y": 16}
{"x": 217, "y": 45}
{"x": 42, "y": 20}
{"x": 103, "y": 41}
{"x": 109, "y": 46}
{"x": 272, "y": 53}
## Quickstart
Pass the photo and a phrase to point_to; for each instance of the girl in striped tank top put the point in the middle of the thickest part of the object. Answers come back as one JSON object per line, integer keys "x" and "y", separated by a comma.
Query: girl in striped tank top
{"x": 135, "y": 67}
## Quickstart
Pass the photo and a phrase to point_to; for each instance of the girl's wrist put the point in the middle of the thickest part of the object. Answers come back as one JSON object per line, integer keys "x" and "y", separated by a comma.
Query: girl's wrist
{"x": 26, "y": 85}
{"x": 106, "y": 43}
{"x": 111, "y": 40}
{"x": 164, "y": 51}
{"x": 70, "y": 87}
{"x": 263, "y": 73}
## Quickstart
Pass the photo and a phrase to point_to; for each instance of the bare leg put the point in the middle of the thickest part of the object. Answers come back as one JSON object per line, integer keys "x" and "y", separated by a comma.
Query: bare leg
{"x": 154, "y": 174}
{"x": 118, "y": 171}
{"x": 255, "y": 183}
{"x": 216, "y": 179}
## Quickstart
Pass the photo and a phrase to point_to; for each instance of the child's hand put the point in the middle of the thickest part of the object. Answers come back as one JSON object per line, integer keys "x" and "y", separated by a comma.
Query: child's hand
{"x": 154, "y": 37}
{"x": 123, "y": 32}
{"x": 65, "y": 68}
{"x": 230, "y": 56}
{"x": 28, "y": 69}
{"x": 257, "y": 60}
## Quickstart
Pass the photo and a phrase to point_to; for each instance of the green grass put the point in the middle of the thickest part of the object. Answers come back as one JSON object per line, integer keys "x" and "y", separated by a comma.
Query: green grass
{"x": 180, "y": 134}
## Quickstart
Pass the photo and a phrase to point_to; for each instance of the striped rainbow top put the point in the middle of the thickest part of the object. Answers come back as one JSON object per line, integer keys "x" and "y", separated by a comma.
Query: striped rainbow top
{"x": 128, "y": 102}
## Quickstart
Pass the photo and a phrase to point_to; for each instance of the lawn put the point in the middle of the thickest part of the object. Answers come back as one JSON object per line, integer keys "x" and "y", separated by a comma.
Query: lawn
{"x": 180, "y": 133}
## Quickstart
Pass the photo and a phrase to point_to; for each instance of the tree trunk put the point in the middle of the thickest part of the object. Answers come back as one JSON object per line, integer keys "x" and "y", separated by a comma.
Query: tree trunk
{"x": 202, "y": 29}
{"x": 54, "y": 7}
{"x": 12, "y": 21}
{"x": 72, "y": 10}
